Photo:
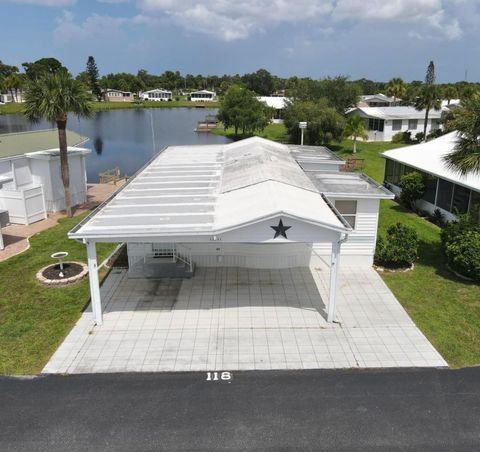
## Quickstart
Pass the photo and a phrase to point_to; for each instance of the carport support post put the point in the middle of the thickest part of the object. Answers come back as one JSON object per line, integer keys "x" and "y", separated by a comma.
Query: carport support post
{"x": 94, "y": 283}
{"x": 333, "y": 281}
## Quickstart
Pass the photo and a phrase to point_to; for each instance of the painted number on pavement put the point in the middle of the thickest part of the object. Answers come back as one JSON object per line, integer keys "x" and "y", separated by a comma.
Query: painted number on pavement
{"x": 218, "y": 376}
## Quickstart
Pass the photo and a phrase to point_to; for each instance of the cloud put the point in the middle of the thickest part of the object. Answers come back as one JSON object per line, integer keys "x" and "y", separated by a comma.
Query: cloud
{"x": 93, "y": 27}
{"x": 57, "y": 3}
{"x": 233, "y": 20}
{"x": 230, "y": 21}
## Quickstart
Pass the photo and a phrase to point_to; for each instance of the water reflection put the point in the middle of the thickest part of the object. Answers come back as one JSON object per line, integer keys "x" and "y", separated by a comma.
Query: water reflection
{"x": 124, "y": 138}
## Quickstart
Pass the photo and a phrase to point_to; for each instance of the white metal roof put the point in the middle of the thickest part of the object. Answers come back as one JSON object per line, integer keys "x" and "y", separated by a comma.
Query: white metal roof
{"x": 202, "y": 91}
{"x": 48, "y": 154}
{"x": 157, "y": 90}
{"x": 278, "y": 103}
{"x": 350, "y": 185}
{"x": 395, "y": 113}
{"x": 428, "y": 157}
{"x": 194, "y": 191}
{"x": 379, "y": 96}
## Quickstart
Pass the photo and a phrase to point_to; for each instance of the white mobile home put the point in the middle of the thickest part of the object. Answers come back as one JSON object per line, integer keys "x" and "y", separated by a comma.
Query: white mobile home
{"x": 157, "y": 95}
{"x": 278, "y": 105}
{"x": 115, "y": 95}
{"x": 254, "y": 203}
{"x": 202, "y": 96}
{"x": 384, "y": 122}
{"x": 30, "y": 178}
{"x": 378, "y": 100}
{"x": 445, "y": 189}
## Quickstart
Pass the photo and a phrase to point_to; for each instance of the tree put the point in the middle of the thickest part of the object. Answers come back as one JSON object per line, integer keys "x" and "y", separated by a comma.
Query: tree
{"x": 449, "y": 93}
{"x": 396, "y": 88}
{"x": 355, "y": 127}
{"x": 324, "y": 123}
{"x": 6, "y": 69}
{"x": 465, "y": 157}
{"x": 52, "y": 97}
{"x": 260, "y": 82}
{"x": 428, "y": 97}
{"x": 241, "y": 110}
{"x": 41, "y": 67}
{"x": 430, "y": 75}
{"x": 13, "y": 83}
{"x": 92, "y": 72}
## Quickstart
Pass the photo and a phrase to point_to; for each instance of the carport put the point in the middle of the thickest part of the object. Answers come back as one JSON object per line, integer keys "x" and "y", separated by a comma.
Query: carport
{"x": 222, "y": 205}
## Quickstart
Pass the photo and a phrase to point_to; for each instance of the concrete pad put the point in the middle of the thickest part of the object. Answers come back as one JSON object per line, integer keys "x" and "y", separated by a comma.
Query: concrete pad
{"x": 240, "y": 319}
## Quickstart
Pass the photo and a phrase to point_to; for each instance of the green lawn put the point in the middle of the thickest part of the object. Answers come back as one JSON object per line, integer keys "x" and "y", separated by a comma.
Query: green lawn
{"x": 104, "y": 106}
{"x": 276, "y": 132}
{"x": 34, "y": 319}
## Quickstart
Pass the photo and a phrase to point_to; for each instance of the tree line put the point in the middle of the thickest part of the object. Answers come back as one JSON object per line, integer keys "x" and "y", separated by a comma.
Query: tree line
{"x": 339, "y": 90}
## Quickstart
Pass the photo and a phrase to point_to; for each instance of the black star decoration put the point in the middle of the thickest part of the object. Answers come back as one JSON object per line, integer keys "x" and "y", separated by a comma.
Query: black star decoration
{"x": 280, "y": 230}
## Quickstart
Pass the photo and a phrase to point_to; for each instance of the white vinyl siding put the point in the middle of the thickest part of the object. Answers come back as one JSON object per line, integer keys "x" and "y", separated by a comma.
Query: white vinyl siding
{"x": 360, "y": 246}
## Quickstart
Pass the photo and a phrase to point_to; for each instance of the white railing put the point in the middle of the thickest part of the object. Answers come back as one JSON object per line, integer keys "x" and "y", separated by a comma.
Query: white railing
{"x": 174, "y": 251}
{"x": 184, "y": 254}
{"x": 162, "y": 250}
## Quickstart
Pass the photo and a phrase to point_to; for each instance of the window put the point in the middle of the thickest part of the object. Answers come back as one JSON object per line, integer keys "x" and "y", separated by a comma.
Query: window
{"x": 475, "y": 203}
{"x": 435, "y": 124}
{"x": 430, "y": 187}
{"x": 348, "y": 209}
{"x": 376, "y": 124}
{"x": 461, "y": 196}
{"x": 412, "y": 124}
{"x": 397, "y": 124}
{"x": 444, "y": 198}
{"x": 389, "y": 166}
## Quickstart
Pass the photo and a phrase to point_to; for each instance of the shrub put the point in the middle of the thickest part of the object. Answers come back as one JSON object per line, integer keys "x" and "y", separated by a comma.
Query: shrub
{"x": 435, "y": 134}
{"x": 420, "y": 136}
{"x": 402, "y": 137}
{"x": 397, "y": 138}
{"x": 437, "y": 217}
{"x": 461, "y": 245}
{"x": 413, "y": 188}
{"x": 399, "y": 249}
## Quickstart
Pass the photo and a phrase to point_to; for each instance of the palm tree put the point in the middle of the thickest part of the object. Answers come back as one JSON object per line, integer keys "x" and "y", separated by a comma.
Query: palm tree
{"x": 356, "y": 128}
{"x": 449, "y": 93}
{"x": 52, "y": 97}
{"x": 13, "y": 83}
{"x": 427, "y": 99}
{"x": 396, "y": 88}
{"x": 465, "y": 157}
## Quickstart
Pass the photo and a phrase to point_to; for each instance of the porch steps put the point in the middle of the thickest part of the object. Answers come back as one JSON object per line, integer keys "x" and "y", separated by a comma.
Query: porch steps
{"x": 161, "y": 267}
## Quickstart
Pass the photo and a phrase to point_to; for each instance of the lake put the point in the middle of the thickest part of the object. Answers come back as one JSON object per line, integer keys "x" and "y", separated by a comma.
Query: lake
{"x": 124, "y": 138}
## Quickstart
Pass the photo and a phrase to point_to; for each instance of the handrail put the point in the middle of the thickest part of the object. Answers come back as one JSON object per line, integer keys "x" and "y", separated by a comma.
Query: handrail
{"x": 184, "y": 254}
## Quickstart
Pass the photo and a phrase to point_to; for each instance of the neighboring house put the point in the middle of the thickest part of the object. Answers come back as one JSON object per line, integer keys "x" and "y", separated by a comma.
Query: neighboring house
{"x": 384, "y": 122}
{"x": 446, "y": 190}
{"x": 157, "y": 95}
{"x": 115, "y": 95}
{"x": 378, "y": 100}
{"x": 8, "y": 97}
{"x": 278, "y": 104}
{"x": 202, "y": 96}
{"x": 451, "y": 104}
{"x": 254, "y": 203}
{"x": 30, "y": 178}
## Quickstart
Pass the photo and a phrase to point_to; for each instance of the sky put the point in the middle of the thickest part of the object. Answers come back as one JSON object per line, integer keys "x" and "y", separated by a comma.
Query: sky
{"x": 375, "y": 39}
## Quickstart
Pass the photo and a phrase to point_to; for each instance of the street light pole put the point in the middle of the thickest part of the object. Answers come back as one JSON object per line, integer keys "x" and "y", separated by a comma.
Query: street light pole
{"x": 302, "y": 125}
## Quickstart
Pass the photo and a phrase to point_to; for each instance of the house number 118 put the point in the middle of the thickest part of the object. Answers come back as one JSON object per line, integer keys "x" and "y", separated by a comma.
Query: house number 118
{"x": 215, "y": 376}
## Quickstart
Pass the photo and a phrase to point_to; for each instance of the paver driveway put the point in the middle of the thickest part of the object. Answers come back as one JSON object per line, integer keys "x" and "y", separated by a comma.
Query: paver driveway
{"x": 238, "y": 319}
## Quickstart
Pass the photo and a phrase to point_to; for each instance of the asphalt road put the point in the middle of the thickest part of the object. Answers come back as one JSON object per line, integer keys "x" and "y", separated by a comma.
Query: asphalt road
{"x": 425, "y": 410}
